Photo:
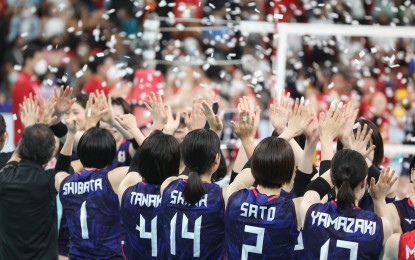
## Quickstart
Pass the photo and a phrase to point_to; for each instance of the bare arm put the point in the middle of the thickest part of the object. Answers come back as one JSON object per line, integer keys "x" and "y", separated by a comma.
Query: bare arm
{"x": 244, "y": 180}
{"x": 131, "y": 179}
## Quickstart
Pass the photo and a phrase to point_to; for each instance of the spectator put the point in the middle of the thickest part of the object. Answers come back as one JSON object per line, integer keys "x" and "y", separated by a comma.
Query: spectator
{"x": 4, "y": 157}
{"x": 105, "y": 77}
{"x": 27, "y": 83}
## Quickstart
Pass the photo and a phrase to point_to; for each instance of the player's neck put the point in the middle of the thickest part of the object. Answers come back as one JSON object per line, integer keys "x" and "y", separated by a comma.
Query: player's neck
{"x": 206, "y": 177}
{"x": 269, "y": 191}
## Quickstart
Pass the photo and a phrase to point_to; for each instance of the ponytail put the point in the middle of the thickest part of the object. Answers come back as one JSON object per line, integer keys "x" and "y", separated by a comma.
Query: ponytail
{"x": 194, "y": 188}
{"x": 345, "y": 196}
{"x": 348, "y": 170}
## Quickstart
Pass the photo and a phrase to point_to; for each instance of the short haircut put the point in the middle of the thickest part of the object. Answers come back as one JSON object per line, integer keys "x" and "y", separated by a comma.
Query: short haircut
{"x": 96, "y": 62}
{"x": 158, "y": 158}
{"x": 119, "y": 101}
{"x": 37, "y": 144}
{"x": 348, "y": 169}
{"x": 273, "y": 162}
{"x": 81, "y": 99}
{"x": 2, "y": 125}
{"x": 30, "y": 51}
{"x": 96, "y": 148}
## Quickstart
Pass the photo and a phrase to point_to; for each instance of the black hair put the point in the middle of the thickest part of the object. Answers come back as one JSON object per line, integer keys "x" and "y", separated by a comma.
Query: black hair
{"x": 199, "y": 149}
{"x": 158, "y": 158}
{"x": 37, "y": 144}
{"x": 119, "y": 101}
{"x": 81, "y": 99}
{"x": 30, "y": 51}
{"x": 96, "y": 62}
{"x": 2, "y": 125}
{"x": 273, "y": 162}
{"x": 348, "y": 169}
{"x": 96, "y": 148}
{"x": 378, "y": 153}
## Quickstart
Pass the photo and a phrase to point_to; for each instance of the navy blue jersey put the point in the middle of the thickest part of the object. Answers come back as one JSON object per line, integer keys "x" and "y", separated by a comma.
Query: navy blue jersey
{"x": 288, "y": 195}
{"x": 333, "y": 233}
{"x": 258, "y": 226}
{"x": 193, "y": 230}
{"x": 93, "y": 215}
{"x": 140, "y": 207}
{"x": 122, "y": 157}
{"x": 406, "y": 213}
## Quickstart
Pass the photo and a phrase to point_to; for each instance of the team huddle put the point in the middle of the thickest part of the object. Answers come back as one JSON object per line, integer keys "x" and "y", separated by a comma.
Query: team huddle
{"x": 130, "y": 195}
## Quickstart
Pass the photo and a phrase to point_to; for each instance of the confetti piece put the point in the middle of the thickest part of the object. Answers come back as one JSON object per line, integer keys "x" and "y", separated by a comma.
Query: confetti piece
{"x": 14, "y": 117}
{"x": 17, "y": 67}
{"x": 330, "y": 85}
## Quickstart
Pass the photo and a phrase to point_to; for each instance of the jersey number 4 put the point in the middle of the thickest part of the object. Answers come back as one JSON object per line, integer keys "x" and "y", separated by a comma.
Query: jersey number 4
{"x": 149, "y": 235}
{"x": 353, "y": 246}
{"x": 195, "y": 236}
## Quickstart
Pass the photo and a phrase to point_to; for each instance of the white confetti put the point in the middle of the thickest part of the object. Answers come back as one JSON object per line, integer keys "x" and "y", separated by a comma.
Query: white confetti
{"x": 17, "y": 67}
{"x": 79, "y": 74}
{"x": 330, "y": 85}
{"x": 14, "y": 117}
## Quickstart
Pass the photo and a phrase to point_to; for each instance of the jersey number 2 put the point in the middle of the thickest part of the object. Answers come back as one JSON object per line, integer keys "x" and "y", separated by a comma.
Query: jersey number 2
{"x": 257, "y": 249}
{"x": 186, "y": 234}
{"x": 353, "y": 246}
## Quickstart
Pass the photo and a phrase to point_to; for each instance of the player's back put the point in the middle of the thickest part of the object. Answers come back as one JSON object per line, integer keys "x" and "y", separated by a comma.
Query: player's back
{"x": 93, "y": 215}
{"x": 333, "y": 233}
{"x": 195, "y": 230}
{"x": 139, "y": 212}
{"x": 406, "y": 213}
{"x": 407, "y": 246}
{"x": 260, "y": 226}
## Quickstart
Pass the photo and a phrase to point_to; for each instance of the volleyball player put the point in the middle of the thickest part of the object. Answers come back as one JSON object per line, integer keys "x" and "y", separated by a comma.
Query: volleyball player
{"x": 400, "y": 246}
{"x": 88, "y": 197}
{"x": 193, "y": 207}
{"x": 401, "y": 214}
{"x": 340, "y": 229}
{"x": 259, "y": 222}
{"x": 139, "y": 193}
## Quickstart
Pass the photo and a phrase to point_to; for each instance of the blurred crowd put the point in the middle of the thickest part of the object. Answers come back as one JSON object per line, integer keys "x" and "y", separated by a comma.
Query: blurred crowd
{"x": 130, "y": 48}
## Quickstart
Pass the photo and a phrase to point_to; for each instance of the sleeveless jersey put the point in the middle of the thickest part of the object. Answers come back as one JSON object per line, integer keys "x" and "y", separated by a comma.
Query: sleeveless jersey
{"x": 93, "y": 215}
{"x": 406, "y": 213}
{"x": 258, "y": 226}
{"x": 122, "y": 157}
{"x": 193, "y": 230}
{"x": 333, "y": 233}
{"x": 140, "y": 206}
{"x": 407, "y": 246}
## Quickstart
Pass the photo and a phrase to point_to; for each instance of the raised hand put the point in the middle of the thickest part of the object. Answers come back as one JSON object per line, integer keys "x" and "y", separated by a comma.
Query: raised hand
{"x": 127, "y": 121}
{"x": 298, "y": 121}
{"x": 72, "y": 125}
{"x": 381, "y": 188}
{"x": 360, "y": 142}
{"x": 279, "y": 112}
{"x": 214, "y": 122}
{"x": 311, "y": 132}
{"x": 246, "y": 126}
{"x": 108, "y": 116}
{"x": 156, "y": 106}
{"x": 332, "y": 122}
{"x": 29, "y": 111}
{"x": 196, "y": 119}
{"x": 95, "y": 108}
{"x": 47, "y": 116}
{"x": 351, "y": 114}
{"x": 245, "y": 105}
{"x": 172, "y": 123}
{"x": 63, "y": 99}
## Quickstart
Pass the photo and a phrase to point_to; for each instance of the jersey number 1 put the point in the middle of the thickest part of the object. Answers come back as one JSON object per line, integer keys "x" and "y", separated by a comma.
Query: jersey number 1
{"x": 186, "y": 234}
{"x": 84, "y": 224}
